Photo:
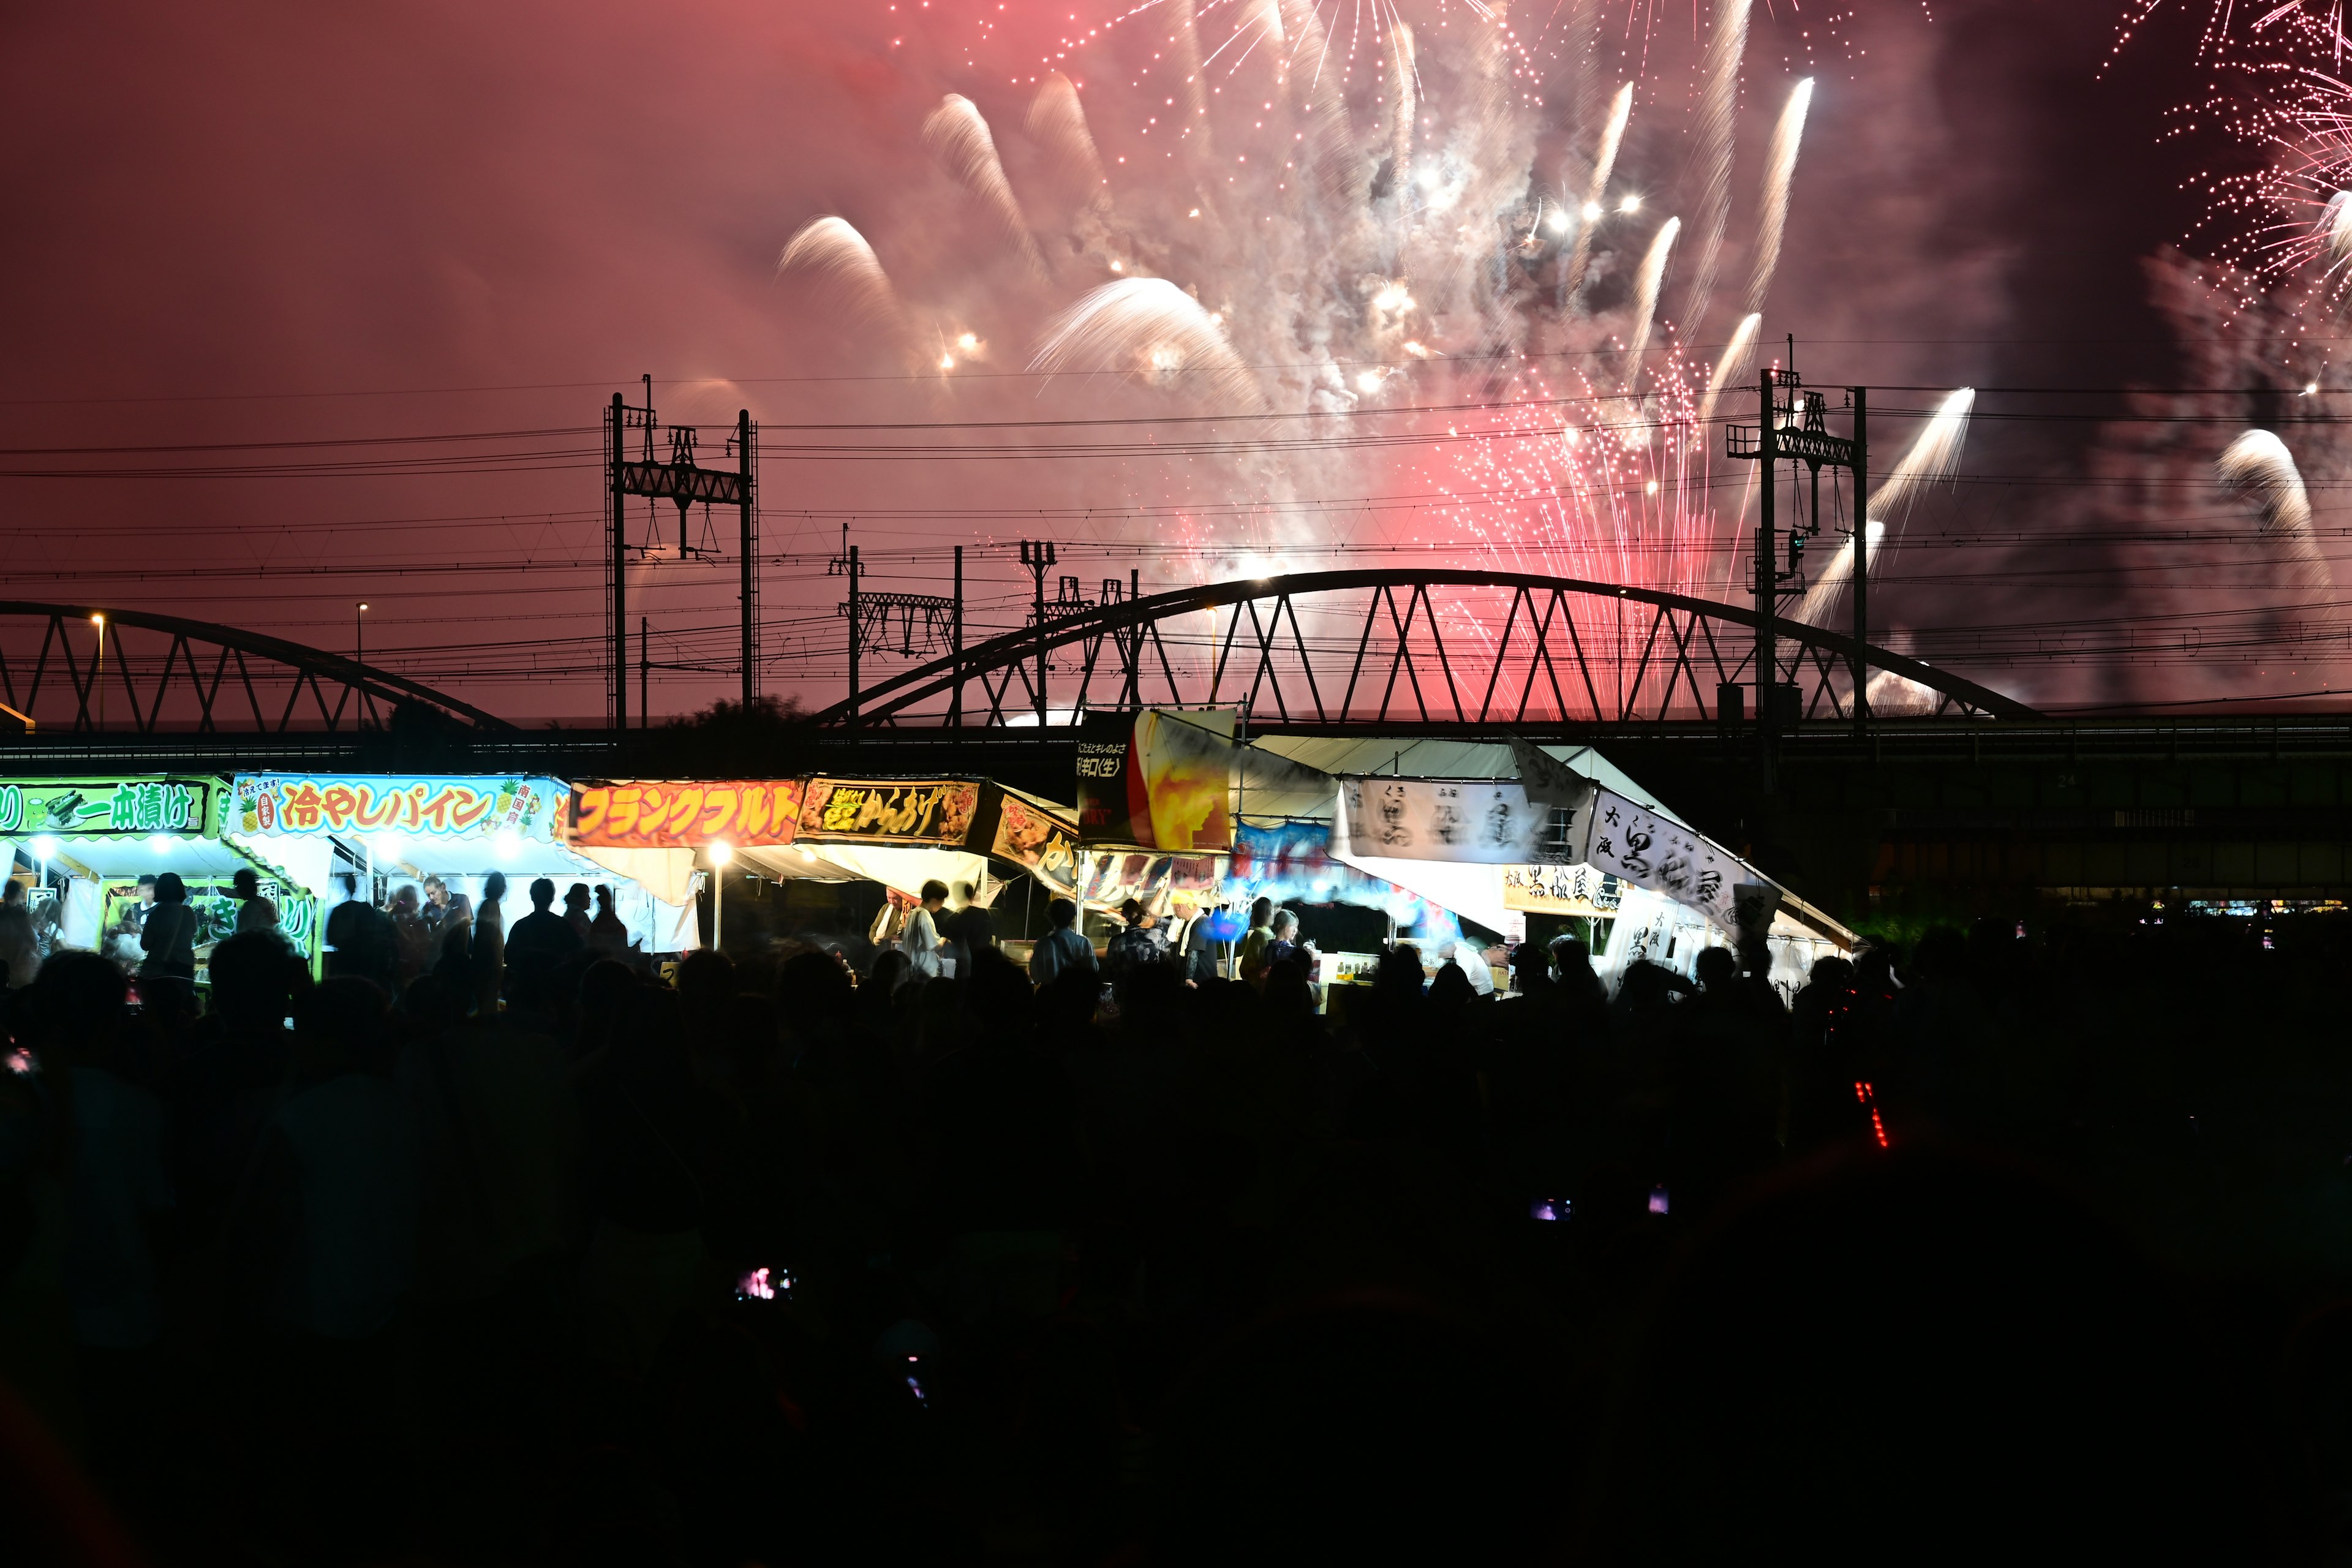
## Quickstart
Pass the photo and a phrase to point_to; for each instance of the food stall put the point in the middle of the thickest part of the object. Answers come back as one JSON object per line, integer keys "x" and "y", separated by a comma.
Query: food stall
{"x": 388, "y": 831}
{"x": 85, "y": 844}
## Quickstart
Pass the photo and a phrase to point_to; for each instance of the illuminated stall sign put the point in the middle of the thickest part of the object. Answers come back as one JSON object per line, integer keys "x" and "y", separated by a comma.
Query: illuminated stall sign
{"x": 112, "y": 805}
{"x": 1488, "y": 823}
{"x": 1161, "y": 780}
{"x": 1561, "y": 890}
{"x": 1112, "y": 878}
{"x": 638, "y": 814}
{"x": 1637, "y": 846}
{"x": 1039, "y": 842}
{"x": 866, "y": 811}
{"x": 300, "y": 805}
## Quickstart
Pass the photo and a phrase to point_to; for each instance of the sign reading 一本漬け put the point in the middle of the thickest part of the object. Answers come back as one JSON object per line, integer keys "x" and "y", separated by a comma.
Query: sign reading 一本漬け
{"x": 109, "y": 805}
{"x": 636, "y": 815}
{"x": 938, "y": 811}
{"x": 300, "y": 803}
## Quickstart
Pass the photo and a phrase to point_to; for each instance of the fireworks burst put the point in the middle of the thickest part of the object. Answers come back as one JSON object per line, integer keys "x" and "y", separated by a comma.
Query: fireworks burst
{"x": 1452, "y": 210}
{"x": 2259, "y": 466}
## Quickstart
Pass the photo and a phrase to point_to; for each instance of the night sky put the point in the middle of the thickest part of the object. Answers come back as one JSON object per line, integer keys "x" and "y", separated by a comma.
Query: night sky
{"x": 245, "y": 225}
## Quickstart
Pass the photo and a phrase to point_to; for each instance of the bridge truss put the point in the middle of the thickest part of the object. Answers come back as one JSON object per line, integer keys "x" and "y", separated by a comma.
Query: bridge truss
{"x": 163, "y": 674}
{"x": 1394, "y": 646}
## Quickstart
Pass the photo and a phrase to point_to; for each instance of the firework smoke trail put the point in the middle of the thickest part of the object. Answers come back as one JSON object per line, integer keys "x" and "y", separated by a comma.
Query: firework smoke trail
{"x": 1315, "y": 80}
{"x": 1057, "y": 121}
{"x": 958, "y": 136}
{"x": 833, "y": 252}
{"x": 1405, "y": 78}
{"x": 1934, "y": 456}
{"x": 1588, "y": 217}
{"x": 1718, "y": 120}
{"x": 1780, "y": 176}
{"x": 1733, "y": 365}
{"x": 1148, "y": 327}
{"x": 2258, "y": 466}
{"x": 1646, "y": 298}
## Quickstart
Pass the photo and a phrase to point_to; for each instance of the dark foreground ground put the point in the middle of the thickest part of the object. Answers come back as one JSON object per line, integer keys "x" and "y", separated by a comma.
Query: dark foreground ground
{"x": 1197, "y": 1277}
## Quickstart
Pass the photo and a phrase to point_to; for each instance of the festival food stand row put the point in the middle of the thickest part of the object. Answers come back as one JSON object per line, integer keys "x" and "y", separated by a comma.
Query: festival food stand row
{"x": 1162, "y": 815}
{"x": 88, "y": 851}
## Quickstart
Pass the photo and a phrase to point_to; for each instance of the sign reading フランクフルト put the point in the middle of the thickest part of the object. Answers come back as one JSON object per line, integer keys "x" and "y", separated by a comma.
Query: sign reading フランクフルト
{"x": 869, "y": 811}
{"x": 641, "y": 814}
{"x": 305, "y": 804}
{"x": 112, "y": 805}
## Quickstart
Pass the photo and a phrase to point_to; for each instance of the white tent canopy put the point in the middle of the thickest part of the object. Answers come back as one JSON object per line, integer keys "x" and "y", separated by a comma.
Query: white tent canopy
{"x": 1270, "y": 791}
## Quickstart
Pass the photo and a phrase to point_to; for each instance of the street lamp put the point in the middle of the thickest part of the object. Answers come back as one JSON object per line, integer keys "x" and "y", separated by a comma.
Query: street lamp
{"x": 721, "y": 852}
{"x": 358, "y": 647}
{"x": 99, "y": 622}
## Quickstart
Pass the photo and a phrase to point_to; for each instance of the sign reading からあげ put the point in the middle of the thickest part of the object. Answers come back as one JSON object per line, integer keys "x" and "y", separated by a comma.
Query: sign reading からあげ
{"x": 939, "y": 811}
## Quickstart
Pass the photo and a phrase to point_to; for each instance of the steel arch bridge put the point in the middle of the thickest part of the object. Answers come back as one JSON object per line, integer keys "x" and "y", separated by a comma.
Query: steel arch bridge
{"x": 163, "y": 674}
{"x": 1383, "y": 648}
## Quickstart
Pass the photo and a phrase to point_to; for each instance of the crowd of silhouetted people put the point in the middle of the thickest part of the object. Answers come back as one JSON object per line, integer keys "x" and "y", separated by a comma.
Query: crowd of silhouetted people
{"x": 1986, "y": 1248}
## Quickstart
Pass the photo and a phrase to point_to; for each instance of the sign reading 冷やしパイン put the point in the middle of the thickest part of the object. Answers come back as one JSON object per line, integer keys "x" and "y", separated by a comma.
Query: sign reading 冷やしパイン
{"x": 440, "y": 807}
{"x": 109, "y": 806}
{"x": 641, "y": 815}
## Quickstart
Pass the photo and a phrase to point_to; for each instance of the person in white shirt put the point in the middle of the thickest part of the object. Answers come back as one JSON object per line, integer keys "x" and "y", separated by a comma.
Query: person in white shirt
{"x": 922, "y": 942}
{"x": 1475, "y": 967}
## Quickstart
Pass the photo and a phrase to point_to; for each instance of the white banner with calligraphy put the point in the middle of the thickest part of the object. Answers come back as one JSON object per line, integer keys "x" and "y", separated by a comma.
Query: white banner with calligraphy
{"x": 1467, "y": 822}
{"x": 1638, "y": 847}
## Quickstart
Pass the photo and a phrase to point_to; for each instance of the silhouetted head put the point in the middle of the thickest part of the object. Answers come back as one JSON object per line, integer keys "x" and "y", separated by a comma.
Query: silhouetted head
{"x": 1831, "y": 973}
{"x": 1717, "y": 967}
{"x": 254, "y": 979}
{"x": 935, "y": 893}
{"x": 1062, "y": 912}
{"x": 75, "y": 1003}
{"x": 812, "y": 991}
{"x": 704, "y": 976}
{"x": 494, "y": 886}
{"x": 542, "y": 892}
{"x": 1450, "y": 986}
{"x": 246, "y": 884}
{"x": 604, "y": 900}
{"x": 170, "y": 889}
{"x": 575, "y": 897}
{"x": 889, "y": 971}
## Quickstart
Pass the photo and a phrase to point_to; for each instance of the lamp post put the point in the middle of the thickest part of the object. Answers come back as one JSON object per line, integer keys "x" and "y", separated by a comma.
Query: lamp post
{"x": 99, "y": 622}
{"x": 721, "y": 852}
{"x": 359, "y": 646}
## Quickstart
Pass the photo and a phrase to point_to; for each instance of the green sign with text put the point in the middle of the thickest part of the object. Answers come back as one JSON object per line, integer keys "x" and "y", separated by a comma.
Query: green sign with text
{"x": 112, "y": 805}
